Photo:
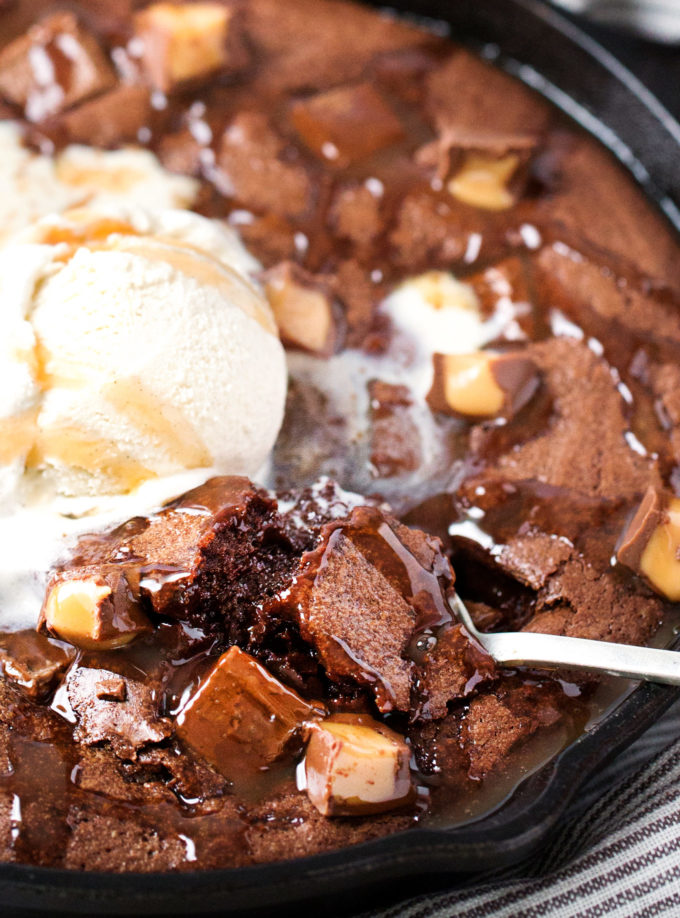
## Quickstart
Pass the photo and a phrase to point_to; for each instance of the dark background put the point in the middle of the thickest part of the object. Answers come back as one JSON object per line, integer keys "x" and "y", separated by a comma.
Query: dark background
{"x": 657, "y": 66}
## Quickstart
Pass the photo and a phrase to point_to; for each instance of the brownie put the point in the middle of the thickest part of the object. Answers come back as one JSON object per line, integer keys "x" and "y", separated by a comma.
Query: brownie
{"x": 239, "y": 622}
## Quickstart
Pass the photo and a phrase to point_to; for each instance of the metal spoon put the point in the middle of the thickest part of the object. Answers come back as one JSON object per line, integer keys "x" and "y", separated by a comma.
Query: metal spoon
{"x": 548, "y": 651}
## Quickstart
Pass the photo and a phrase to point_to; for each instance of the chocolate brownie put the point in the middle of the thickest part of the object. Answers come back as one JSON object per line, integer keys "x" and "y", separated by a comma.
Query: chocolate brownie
{"x": 220, "y": 639}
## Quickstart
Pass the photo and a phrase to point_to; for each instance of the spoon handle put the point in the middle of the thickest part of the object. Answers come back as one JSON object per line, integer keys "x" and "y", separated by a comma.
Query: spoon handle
{"x": 549, "y": 651}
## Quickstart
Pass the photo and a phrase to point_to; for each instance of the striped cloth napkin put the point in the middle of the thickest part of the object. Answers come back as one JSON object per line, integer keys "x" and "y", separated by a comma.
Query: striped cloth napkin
{"x": 617, "y": 855}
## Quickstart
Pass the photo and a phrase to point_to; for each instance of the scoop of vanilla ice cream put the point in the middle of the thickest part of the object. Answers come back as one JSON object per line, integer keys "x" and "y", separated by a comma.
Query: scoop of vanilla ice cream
{"x": 33, "y": 185}
{"x": 138, "y": 348}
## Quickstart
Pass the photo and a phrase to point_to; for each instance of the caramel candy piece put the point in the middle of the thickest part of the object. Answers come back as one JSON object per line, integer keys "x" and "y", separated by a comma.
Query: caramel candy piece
{"x": 187, "y": 41}
{"x": 651, "y": 543}
{"x": 242, "y": 719}
{"x": 482, "y": 181}
{"x": 485, "y": 171}
{"x": 482, "y": 384}
{"x": 303, "y": 309}
{"x": 346, "y": 124}
{"x": 354, "y": 766}
{"x": 95, "y": 609}
{"x": 52, "y": 67}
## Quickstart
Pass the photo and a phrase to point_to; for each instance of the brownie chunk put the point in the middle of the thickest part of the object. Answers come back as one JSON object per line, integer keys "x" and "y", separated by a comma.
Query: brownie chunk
{"x": 395, "y": 433}
{"x": 205, "y": 558}
{"x": 33, "y": 661}
{"x": 576, "y": 283}
{"x": 253, "y": 171}
{"x": 355, "y": 213}
{"x": 363, "y": 595}
{"x": 592, "y": 198}
{"x": 109, "y": 840}
{"x": 582, "y": 601}
{"x": 115, "y": 709}
{"x": 573, "y": 453}
{"x": 477, "y": 741}
{"x": 290, "y": 826}
{"x": 455, "y": 667}
{"x": 485, "y": 99}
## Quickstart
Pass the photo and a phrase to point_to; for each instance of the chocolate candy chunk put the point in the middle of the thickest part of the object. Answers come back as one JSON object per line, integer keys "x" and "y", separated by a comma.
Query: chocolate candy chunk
{"x": 355, "y": 765}
{"x": 33, "y": 661}
{"x": 481, "y": 169}
{"x": 650, "y": 545}
{"x": 482, "y": 384}
{"x": 52, "y": 67}
{"x": 361, "y": 595}
{"x": 346, "y": 124}
{"x": 111, "y": 119}
{"x": 114, "y": 709}
{"x": 454, "y": 666}
{"x": 242, "y": 719}
{"x": 304, "y": 309}
{"x": 251, "y": 168}
{"x": 95, "y": 608}
{"x": 188, "y": 41}
{"x": 395, "y": 434}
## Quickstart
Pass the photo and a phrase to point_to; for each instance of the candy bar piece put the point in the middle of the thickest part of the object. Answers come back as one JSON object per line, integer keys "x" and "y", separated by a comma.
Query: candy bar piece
{"x": 650, "y": 545}
{"x": 242, "y": 719}
{"x": 485, "y": 171}
{"x": 54, "y": 65}
{"x": 346, "y": 124}
{"x": 187, "y": 41}
{"x": 354, "y": 765}
{"x": 482, "y": 384}
{"x": 482, "y": 181}
{"x": 303, "y": 309}
{"x": 33, "y": 661}
{"x": 111, "y": 119}
{"x": 94, "y": 608}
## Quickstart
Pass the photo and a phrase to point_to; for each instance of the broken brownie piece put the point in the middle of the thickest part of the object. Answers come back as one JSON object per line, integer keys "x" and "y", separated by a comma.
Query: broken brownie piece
{"x": 199, "y": 558}
{"x": 364, "y": 595}
{"x": 252, "y": 169}
{"x": 395, "y": 433}
{"x": 115, "y": 709}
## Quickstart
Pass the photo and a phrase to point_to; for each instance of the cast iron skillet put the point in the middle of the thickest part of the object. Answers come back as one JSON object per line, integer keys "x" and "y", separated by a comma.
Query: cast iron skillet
{"x": 607, "y": 99}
